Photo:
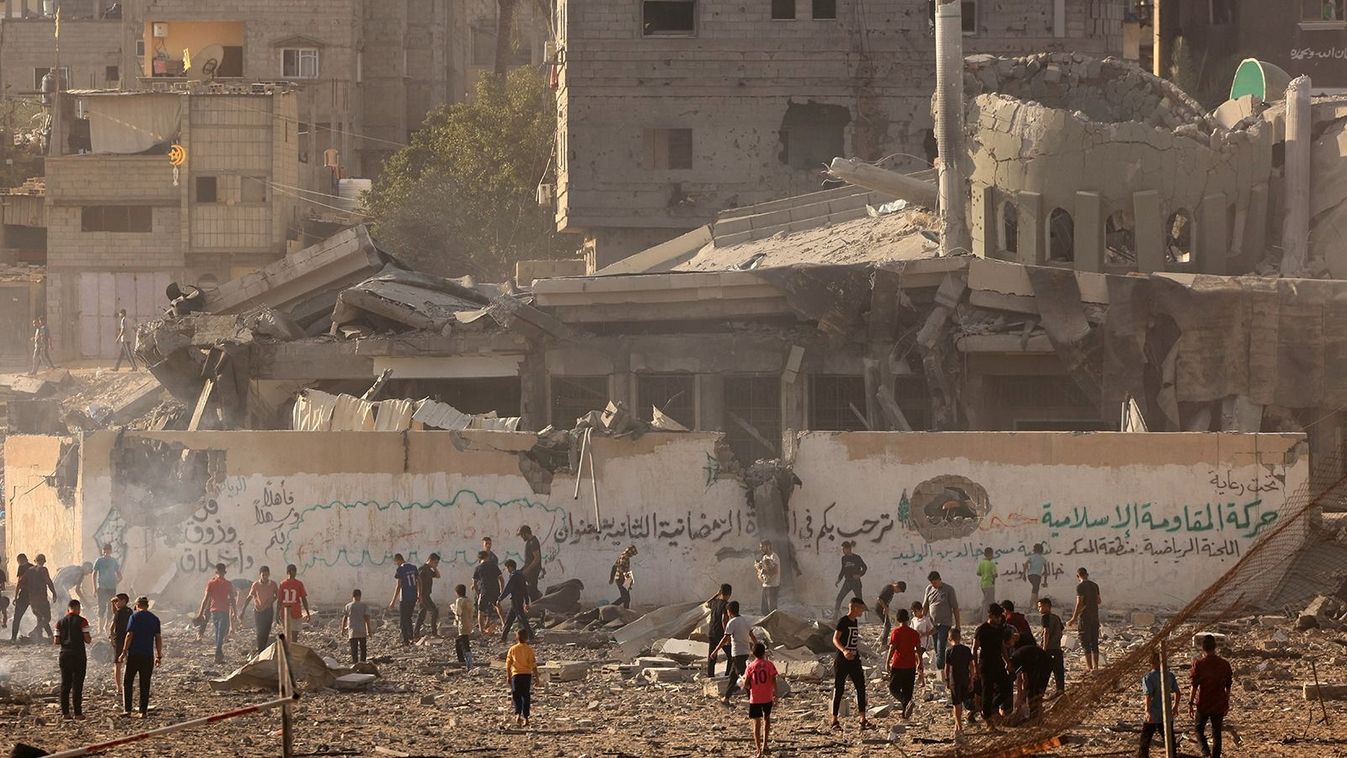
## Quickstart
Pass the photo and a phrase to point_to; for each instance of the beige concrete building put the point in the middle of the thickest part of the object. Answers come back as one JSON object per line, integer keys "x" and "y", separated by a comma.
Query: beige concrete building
{"x": 90, "y": 44}
{"x": 122, "y": 224}
{"x": 672, "y": 110}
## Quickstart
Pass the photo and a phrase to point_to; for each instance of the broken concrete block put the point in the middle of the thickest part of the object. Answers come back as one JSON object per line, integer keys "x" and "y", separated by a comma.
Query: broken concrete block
{"x": 1143, "y": 618}
{"x": 809, "y": 671}
{"x": 566, "y": 671}
{"x": 1324, "y": 605}
{"x": 684, "y": 651}
{"x": 589, "y": 640}
{"x": 357, "y": 682}
{"x": 650, "y": 661}
{"x": 1306, "y": 622}
{"x": 662, "y": 675}
{"x": 880, "y": 711}
{"x": 1325, "y": 691}
{"x": 714, "y": 687}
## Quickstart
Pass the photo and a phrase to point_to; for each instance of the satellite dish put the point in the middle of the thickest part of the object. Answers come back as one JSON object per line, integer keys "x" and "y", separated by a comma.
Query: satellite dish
{"x": 205, "y": 62}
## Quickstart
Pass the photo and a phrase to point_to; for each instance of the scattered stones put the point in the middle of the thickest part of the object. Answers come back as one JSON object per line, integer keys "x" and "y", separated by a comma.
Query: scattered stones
{"x": 661, "y": 675}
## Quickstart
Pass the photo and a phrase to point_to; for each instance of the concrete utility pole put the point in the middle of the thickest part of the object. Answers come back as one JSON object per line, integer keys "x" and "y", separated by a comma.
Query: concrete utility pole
{"x": 954, "y": 235}
{"x": 1296, "y": 222}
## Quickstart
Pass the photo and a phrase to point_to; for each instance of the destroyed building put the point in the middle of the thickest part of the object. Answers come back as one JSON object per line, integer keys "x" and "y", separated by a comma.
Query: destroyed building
{"x": 670, "y": 111}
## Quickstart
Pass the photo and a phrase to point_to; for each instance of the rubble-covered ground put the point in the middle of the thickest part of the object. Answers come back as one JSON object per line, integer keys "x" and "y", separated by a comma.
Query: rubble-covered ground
{"x": 424, "y": 704}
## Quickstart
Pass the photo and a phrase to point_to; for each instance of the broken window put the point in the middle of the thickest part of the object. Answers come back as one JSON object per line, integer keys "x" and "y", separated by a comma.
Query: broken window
{"x": 1179, "y": 237}
{"x": 673, "y": 394}
{"x": 753, "y": 416}
{"x": 783, "y": 10}
{"x": 574, "y": 396}
{"x": 671, "y": 149}
{"x": 1061, "y": 237}
{"x": 825, "y": 9}
{"x": 837, "y": 403}
{"x": 1010, "y": 227}
{"x": 299, "y": 63}
{"x": 914, "y": 400}
{"x": 1120, "y": 239}
{"x": 1323, "y": 10}
{"x": 668, "y": 18}
{"x": 207, "y": 189}
{"x": 969, "y": 12}
{"x": 116, "y": 218}
{"x": 812, "y": 134}
{"x": 253, "y": 189}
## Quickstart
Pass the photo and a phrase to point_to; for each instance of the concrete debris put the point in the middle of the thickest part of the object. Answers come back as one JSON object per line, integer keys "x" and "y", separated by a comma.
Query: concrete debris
{"x": 664, "y": 623}
{"x": 259, "y": 673}
{"x": 566, "y": 671}
{"x": 318, "y": 411}
{"x": 1325, "y": 691}
{"x": 789, "y": 630}
{"x": 684, "y": 651}
{"x": 666, "y": 675}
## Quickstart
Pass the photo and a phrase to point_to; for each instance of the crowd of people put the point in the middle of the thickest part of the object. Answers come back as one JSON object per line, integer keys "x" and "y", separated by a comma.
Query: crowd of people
{"x": 1003, "y": 676}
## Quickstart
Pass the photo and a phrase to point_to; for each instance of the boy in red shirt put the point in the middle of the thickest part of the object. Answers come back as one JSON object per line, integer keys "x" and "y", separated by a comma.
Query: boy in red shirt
{"x": 904, "y": 656}
{"x": 760, "y": 681}
{"x": 292, "y": 594}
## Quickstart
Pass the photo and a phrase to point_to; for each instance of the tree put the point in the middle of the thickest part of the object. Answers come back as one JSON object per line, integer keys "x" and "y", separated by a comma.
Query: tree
{"x": 461, "y": 198}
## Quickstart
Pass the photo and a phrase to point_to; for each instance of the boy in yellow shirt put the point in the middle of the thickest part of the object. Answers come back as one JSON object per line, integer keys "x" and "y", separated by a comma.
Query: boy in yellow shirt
{"x": 520, "y": 667}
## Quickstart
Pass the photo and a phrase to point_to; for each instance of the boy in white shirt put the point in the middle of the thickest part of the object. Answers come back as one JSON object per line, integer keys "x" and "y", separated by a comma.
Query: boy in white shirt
{"x": 464, "y": 614}
{"x": 926, "y": 629}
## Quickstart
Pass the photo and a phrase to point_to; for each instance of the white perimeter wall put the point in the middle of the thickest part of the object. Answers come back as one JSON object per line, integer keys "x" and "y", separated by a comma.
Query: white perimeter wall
{"x": 1155, "y": 517}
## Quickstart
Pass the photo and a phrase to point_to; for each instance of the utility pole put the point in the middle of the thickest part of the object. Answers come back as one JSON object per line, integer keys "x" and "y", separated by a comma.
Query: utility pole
{"x": 949, "y": 106}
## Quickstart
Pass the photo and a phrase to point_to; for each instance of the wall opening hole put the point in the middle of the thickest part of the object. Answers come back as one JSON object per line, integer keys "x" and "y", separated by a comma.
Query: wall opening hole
{"x": 1061, "y": 237}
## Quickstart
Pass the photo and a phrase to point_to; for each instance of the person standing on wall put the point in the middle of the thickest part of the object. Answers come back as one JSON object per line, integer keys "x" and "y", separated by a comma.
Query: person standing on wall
{"x": 849, "y": 576}
{"x": 21, "y": 602}
{"x": 124, "y": 351}
{"x": 72, "y": 634}
{"x": 425, "y": 582}
{"x": 107, "y": 575}
{"x": 621, "y": 575}
{"x": 404, "y": 590}
{"x": 41, "y": 345}
{"x": 1209, "y": 701}
{"x": 263, "y": 594}
{"x": 219, "y": 600}
{"x": 847, "y": 665}
{"x": 768, "y": 567}
{"x": 1036, "y": 570}
{"x": 718, "y": 605}
{"x": 987, "y": 577}
{"x": 39, "y": 583}
{"x": 1086, "y": 614}
{"x": 291, "y": 595}
{"x": 533, "y": 562}
{"x": 121, "y": 618}
{"x": 143, "y": 651}
{"x": 516, "y": 591}
{"x": 942, "y": 608}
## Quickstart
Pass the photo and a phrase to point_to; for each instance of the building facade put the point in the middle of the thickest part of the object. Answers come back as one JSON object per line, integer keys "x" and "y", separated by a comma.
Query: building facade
{"x": 122, "y": 222}
{"x": 672, "y": 110}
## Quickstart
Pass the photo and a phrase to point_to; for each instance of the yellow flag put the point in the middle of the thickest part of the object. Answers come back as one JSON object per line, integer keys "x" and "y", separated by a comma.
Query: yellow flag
{"x": 58, "y": 22}
{"x": 186, "y": 59}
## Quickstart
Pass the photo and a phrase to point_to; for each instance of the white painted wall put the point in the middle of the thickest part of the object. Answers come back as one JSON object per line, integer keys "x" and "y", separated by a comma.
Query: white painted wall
{"x": 340, "y": 504}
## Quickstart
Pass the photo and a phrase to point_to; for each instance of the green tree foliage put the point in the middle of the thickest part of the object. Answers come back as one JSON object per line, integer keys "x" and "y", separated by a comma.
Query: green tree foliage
{"x": 461, "y": 199}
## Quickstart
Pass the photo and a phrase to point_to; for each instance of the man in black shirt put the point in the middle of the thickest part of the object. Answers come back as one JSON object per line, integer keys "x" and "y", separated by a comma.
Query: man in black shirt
{"x": 717, "y": 604}
{"x": 989, "y": 646}
{"x": 121, "y": 616}
{"x": 533, "y": 561}
{"x": 517, "y": 592}
{"x": 38, "y": 581}
{"x": 20, "y": 595}
{"x": 853, "y": 568}
{"x": 884, "y": 606}
{"x": 959, "y": 673}
{"x": 72, "y": 634}
{"x": 1052, "y": 641}
{"x": 487, "y": 583}
{"x": 848, "y": 663}
{"x": 425, "y": 580}
{"x": 1032, "y": 667}
{"x": 1086, "y": 615}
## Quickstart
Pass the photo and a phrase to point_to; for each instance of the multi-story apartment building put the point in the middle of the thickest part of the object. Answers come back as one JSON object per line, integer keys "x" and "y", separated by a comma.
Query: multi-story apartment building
{"x": 122, "y": 222}
{"x": 672, "y": 110}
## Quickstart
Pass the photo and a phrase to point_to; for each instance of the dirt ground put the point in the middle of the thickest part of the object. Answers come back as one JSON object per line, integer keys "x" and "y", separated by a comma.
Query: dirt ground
{"x": 424, "y": 705}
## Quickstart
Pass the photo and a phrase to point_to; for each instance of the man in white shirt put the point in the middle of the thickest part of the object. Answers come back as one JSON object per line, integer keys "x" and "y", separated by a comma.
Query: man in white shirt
{"x": 768, "y": 567}
{"x": 739, "y": 636}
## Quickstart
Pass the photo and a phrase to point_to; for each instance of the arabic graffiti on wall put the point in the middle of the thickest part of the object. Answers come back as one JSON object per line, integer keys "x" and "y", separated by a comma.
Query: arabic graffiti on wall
{"x": 1310, "y": 54}
{"x": 1245, "y": 520}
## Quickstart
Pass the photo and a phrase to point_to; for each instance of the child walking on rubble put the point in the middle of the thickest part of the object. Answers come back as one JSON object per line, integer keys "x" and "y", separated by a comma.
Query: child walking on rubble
{"x": 760, "y": 681}
{"x": 520, "y": 667}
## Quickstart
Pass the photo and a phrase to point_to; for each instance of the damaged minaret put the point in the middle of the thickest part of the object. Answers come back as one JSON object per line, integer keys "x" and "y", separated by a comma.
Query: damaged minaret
{"x": 954, "y": 237}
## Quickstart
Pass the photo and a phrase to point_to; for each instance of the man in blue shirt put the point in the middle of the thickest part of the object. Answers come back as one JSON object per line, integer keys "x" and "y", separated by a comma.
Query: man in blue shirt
{"x": 107, "y": 575}
{"x": 1036, "y": 571}
{"x": 143, "y": 651}
{"x": 405, "y": 589}
{"x": 1156, "y": 705}
{"x": 517, "y": 592}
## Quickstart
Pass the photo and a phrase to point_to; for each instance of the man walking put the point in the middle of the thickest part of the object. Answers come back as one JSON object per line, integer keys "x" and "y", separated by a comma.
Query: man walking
{"x": 41, "y": 345}
{"x": 263, "y": 594}
{"x": 849, "y": 575}
{"x": 355, "y": 622}
{"x": 124, "y": 343}
{"x": 1209, "y": 701}
{"x": 291, "y": 595}
{"x": 1156, "y": 705}
{"x": 942, "y": 608}
{"x": 425, "y": 582}
{"x": 219, "y": 601}
{"x": 72, "y": 634}
{"x": 904, "y": 655}
{"x": 847, "y": 665}
{"x": 987, "y": 577}
{"x": 21, "y": 602}
{"x": 107, "y": 575}
{"x": 622, "y": 576}
{"x": 740, "y": 639}
{"x": 487, "y": 584}
{"x": 39, "y": 583}
{"x": 143, "y": 652}
{"x": 884, "y": 605}
{"x": 768, "y": 567}
{"x": 989, "y": 647}
{"x": 1086, "y": 614}
{"x": 1052, "y": 641}
{"x": 718, "y": 605}
{"x": 516, "y": 591}
{"x": 1036, "y": 571}
{"x": 533, "y": 562}
{"x": 404, "y": 596}
{"x": 121, "y": 619}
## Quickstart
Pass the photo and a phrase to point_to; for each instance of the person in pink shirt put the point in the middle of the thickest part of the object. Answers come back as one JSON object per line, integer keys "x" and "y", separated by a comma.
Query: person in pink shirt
{"x": 760, "y": 681}
{"x": 219, "y": 600}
